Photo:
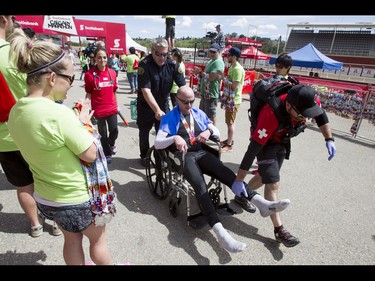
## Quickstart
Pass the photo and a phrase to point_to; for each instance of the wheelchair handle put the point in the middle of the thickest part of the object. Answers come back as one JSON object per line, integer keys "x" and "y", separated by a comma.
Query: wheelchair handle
{"x": 214, "y": 138}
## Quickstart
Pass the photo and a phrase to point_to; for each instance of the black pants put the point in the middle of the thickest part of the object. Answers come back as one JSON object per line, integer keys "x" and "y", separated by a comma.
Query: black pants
{"x": 108, "y": 134}
{"x": 145, "y": 121}
{"x": 201, "y": 162}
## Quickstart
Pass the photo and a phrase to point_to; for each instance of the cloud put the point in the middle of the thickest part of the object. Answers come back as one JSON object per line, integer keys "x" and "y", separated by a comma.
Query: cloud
{"x": 186, "y": 21}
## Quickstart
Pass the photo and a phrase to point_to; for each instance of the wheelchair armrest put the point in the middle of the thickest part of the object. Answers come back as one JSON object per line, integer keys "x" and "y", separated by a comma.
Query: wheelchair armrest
{"x": 214, "y": 138}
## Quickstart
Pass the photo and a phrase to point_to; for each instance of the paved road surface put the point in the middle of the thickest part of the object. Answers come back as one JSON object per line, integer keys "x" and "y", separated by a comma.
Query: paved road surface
{"x": 332, "y": 208}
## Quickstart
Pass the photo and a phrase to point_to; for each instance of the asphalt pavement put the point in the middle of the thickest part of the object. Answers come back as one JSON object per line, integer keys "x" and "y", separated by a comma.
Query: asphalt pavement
{"x": 332, "y": 207}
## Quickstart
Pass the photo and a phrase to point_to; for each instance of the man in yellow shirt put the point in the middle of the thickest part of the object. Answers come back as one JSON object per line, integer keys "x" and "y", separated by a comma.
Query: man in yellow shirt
{"x": 170, "y": 26}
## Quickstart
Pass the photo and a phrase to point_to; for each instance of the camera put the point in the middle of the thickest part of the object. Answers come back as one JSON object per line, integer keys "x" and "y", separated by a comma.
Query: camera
{"x": 210, "y": 35}
{"x": 90, "y": 49}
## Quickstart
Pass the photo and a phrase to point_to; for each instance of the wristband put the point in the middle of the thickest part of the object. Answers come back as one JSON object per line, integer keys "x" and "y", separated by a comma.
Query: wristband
{"x": 330, "y": 139}
{"x": 88, "y": 126}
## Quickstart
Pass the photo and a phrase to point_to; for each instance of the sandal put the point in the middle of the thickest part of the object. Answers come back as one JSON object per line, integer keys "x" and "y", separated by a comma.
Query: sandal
{"x": 225, "y": 143}
{"x": 227, "y": 147}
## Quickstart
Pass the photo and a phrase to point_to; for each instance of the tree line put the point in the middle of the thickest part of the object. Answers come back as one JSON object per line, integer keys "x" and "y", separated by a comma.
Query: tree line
{"x": 269, "y": 46}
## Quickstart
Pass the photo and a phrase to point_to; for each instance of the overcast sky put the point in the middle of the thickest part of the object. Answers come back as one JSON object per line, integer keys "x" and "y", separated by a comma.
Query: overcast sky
{"x": 197, "y": 26}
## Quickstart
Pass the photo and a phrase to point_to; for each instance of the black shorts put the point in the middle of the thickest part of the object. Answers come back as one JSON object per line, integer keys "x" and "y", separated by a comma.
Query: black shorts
{"x": 270, "y": 160}
{"x": 16, "y": 168}
{"x": 170, "y": 28}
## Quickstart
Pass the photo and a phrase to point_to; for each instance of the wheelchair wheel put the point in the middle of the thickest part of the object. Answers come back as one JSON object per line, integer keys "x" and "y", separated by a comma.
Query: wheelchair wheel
{"x": 215, "y": 195}
{"x": 158, "y": 174}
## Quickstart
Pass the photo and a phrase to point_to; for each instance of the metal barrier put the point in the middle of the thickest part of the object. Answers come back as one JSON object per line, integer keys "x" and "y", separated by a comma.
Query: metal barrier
{"x": 351, "y": 112}
{"x": 349, "y": 105}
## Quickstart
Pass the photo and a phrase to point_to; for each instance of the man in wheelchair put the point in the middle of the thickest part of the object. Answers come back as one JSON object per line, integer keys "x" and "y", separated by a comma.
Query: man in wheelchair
{"x": 187, "y": 128}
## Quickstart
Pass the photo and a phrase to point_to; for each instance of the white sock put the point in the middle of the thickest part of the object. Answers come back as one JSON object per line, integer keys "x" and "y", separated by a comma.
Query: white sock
{"x": 267, "y": 208}
{"x": 226, "y": 241}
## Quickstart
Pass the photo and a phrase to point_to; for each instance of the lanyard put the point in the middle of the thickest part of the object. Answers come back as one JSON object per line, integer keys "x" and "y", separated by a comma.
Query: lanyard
{"x": 189, "y": 129}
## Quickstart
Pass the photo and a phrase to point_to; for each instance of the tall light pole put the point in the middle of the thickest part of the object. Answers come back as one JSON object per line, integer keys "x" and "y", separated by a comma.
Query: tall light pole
{"x": 248, "y": 35}
{"x": 278, "y": 45}
{"x": 256, "y": 31}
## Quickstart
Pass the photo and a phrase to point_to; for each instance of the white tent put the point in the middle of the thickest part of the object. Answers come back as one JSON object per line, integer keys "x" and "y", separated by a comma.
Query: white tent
{"x": 131, "y": 43}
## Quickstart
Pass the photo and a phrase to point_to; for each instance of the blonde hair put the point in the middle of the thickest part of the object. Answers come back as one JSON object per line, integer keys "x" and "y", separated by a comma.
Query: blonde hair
{"x": 35, "y": 57}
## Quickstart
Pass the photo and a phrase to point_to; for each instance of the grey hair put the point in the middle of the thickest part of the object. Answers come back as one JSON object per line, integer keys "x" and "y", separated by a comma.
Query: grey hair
{"x": 160, "y": 42}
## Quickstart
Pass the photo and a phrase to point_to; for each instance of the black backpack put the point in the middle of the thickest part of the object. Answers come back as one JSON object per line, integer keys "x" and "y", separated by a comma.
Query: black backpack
{"x": 268, "y": 91}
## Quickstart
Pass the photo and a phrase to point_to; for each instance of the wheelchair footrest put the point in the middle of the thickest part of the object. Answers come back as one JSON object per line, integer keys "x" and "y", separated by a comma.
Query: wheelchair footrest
{"x": 224, "y": 209}
{"x": 197, "y": 221}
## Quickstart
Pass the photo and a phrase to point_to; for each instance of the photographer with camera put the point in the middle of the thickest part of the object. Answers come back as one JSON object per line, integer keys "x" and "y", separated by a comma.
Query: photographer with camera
{"x": 89, "y": 53}
{"x": 90, "y": 50}
{"x": 219, "y": 38}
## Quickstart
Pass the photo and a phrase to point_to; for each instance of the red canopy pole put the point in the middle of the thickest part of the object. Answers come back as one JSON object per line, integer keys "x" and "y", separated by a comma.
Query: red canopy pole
{"x": 256, "y": 58}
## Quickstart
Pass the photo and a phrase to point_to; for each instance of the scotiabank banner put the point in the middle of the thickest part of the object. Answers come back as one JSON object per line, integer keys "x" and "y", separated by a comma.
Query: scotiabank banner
{"x": 114, "y": 33}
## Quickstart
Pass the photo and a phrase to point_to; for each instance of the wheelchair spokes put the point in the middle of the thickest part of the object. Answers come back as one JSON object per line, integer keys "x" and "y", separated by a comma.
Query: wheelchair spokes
{"x": 164, "y": 172}
{"x": 158, "y": 174}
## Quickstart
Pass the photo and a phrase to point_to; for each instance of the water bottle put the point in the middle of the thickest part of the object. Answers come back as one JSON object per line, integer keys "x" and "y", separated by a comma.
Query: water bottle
{"x": 133, "y": 109}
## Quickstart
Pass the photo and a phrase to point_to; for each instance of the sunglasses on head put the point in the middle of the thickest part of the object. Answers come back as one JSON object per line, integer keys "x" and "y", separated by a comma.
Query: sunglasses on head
{"x": 158, "y": 54}
{"x": 186, "y": 101}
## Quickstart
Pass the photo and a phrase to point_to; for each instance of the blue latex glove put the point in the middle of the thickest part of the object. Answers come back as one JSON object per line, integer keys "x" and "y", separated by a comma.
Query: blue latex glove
{"x": 331, "y": 149}
{"x": 238, "y": 188}
{"x": 118, "y": 108}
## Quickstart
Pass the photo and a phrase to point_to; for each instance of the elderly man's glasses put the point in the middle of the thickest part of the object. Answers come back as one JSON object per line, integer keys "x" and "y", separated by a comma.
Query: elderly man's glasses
{"x": 158, "y": 54}
{"x": 186, "y": 102}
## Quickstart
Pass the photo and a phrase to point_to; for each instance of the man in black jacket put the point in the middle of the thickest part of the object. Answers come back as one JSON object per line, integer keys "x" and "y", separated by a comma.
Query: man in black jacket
{"x": 156, "y": 74}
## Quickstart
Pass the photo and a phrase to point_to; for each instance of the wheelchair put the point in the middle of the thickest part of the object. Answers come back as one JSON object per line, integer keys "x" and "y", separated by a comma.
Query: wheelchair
{"x": 164, "y": 172}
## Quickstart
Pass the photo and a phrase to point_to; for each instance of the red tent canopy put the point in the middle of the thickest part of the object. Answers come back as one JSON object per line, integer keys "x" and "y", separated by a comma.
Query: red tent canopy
{"x": 226, "y": 50}
{"x": 244, "y": 41}
{"x": 249, "y": 53}
{"x": 253, "y": 53}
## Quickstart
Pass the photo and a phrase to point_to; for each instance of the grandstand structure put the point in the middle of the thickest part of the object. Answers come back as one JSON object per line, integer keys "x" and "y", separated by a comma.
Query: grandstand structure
{"x": 352, "y": 43}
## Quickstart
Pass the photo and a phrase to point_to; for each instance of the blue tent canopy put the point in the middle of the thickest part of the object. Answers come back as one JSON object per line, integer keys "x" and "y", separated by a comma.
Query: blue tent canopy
{"x": 309, "y": 56}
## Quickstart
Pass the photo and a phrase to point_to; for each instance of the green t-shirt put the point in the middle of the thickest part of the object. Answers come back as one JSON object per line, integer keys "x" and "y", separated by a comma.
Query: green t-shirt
{"x": 17, "y": 84}
{"x": 213, "y": 66}
{"x": 50, "y": 136}
{"x": 84, "y": 61}
{"x": 237, "y": 73}
{"x": 129, "y": 59}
